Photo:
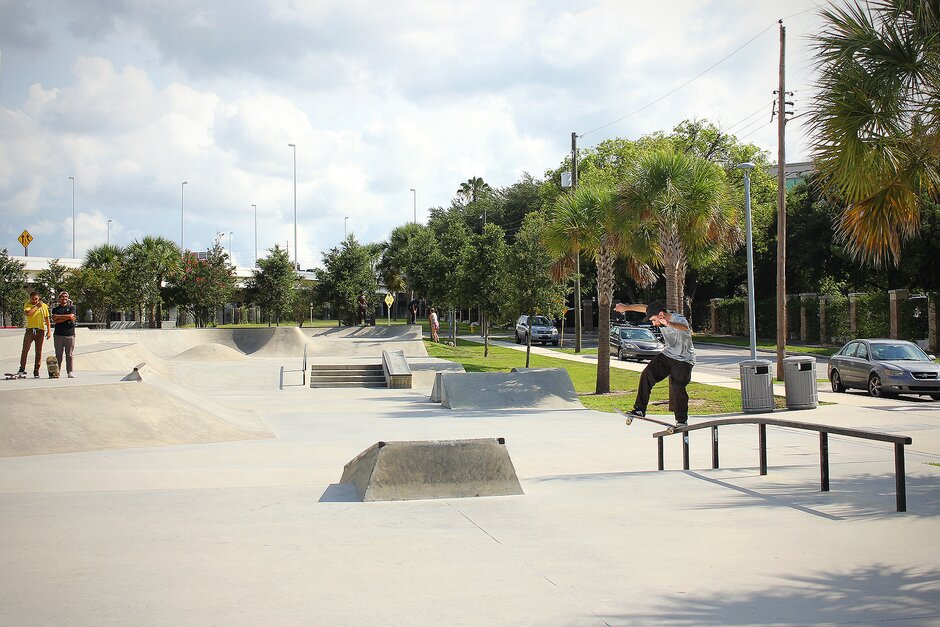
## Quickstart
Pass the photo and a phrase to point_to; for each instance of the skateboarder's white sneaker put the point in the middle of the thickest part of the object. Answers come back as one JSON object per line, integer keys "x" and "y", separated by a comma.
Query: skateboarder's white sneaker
{"x": 71, "y": 376}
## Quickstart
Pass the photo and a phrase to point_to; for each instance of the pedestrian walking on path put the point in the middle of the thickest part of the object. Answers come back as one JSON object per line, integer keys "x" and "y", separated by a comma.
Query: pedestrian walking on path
{"x": 676, "y": 361}
{"x": 435, "y": 325}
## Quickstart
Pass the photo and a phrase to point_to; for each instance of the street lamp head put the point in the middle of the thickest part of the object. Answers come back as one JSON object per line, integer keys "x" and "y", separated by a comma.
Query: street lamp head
{"x": 72, "y": 178}
{"x": 411, "y": 189}
{"x": 747, "y": 165}
{"x": 292, "y": 145}
{"x": 185, "y": 182}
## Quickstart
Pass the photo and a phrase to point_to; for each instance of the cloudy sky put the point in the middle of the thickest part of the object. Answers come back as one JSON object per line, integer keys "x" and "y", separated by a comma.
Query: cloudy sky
{"x": 133, "y": 97}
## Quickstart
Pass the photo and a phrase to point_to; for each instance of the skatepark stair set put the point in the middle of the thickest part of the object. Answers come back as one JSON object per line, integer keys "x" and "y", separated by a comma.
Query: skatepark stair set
{"x": 347, "y": 376}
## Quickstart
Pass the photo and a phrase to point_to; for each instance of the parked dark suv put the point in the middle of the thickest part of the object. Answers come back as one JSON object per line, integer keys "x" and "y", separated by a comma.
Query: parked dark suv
{"x": 542, "y": 330}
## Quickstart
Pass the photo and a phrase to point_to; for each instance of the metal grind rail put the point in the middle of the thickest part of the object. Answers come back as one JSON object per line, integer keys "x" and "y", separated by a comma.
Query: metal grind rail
{"x": 823, "y": 430}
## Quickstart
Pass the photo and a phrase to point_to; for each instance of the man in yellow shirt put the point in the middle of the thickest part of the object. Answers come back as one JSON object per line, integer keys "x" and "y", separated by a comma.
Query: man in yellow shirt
{"x": 37, "y": 320}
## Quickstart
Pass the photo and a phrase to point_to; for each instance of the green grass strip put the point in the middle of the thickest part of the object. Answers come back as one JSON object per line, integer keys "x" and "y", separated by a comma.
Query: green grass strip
{"x": 704, "y": 400}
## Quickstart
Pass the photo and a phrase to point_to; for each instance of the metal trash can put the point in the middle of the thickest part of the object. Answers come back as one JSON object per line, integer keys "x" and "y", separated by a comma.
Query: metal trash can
{"x": 757, "y": 388}
{"x": 799, "y": 376}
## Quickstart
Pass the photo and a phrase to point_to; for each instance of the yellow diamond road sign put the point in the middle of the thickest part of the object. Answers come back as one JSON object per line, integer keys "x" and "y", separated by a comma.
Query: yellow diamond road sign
{"x": 25, "y": 238}
{"x": 389, "y": 299}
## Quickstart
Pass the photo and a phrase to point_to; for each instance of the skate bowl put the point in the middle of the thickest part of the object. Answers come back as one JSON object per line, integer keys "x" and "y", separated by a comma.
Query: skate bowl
{"x": 366, "y": 341}
{"x": 539, "y": 388}
{"x": 114, "y": 416}
{"x": 432, "y": 469}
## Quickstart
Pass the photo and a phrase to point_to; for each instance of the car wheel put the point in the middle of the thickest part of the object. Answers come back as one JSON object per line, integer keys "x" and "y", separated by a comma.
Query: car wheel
{"x": 836, "y": 382}
{"x": 935, "y": 397}
{"x": 874, "y": 386}
{"x": 554, "y": 342}
{"x": 518, "y": 340}
{"x": 622, "y": 355}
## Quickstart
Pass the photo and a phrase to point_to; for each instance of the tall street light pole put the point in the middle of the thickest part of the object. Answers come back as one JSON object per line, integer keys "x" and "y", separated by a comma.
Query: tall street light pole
{"x": 414, "y": 197}
{"x": 72, "y": 178}
{"x": 747, "y": 167}
{"x": 256, "y": 234}
{"x": 230, "y": 247}
{"x": 345, "y": 223}
{"x": 296, "y": 266}
{"x": 182, "y": 187}
{"x": 109, "y": 232}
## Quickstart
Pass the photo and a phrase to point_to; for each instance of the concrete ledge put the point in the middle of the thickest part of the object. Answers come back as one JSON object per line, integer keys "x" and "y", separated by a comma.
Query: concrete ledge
{"x": 397, "y": 372}
{"x": 432, "y": 469}
{"x": 544, "y": 388}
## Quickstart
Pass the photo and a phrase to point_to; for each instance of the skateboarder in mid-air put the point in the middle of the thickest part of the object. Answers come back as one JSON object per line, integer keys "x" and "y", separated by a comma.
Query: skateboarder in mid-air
{"x": 675, "y": 361}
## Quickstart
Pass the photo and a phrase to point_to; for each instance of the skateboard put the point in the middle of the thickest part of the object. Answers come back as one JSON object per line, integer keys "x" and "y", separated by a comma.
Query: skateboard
{"x": 9, "y": 376}
{"x": 670, "y": 427}
{"x": 52, "y": 365}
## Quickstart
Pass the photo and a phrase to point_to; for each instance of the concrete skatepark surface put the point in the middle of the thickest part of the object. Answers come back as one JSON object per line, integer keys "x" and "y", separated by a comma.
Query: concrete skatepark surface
{"x": 261, "y": 531}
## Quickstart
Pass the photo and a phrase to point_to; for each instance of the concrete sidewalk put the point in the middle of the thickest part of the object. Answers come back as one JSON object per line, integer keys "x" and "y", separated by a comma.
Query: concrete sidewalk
{"x": 258, "y": 531}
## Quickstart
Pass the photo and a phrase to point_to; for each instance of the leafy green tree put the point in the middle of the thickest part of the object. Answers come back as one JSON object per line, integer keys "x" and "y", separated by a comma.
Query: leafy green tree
{"x": 97, "y": 284}
{"x": 531, "y": 289}
{"x": 51, "y": 280}
{"x": 12, "y": 289}
{"x": 483, "y": 269}
{"x": 273, "y": 285}
{"x": 447, "y": 288}
{"x": 347, "y": 270}
{"x": 876, "y": 119}
{"x": 200, "y": 287}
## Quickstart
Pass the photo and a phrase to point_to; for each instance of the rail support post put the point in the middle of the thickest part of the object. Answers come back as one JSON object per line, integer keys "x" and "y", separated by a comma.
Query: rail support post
{"x": 899, "y": 477}
{"x": 685, "y": 451}
{"x": 659, "y": 447}
{"x": 714, "y": 447}
{"x": 823, "y": 461}
{"x": 762, "y": 447}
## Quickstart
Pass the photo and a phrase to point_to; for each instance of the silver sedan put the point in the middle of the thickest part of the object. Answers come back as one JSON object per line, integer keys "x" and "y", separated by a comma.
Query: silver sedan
{"x": 885, "y": 368}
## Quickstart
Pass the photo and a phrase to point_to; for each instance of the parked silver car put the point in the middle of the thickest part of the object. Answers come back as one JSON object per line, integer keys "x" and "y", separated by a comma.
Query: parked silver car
{"x": 634, "y": 343}
{"x": 885, "y": 368}
{"x": 542, "y": 330}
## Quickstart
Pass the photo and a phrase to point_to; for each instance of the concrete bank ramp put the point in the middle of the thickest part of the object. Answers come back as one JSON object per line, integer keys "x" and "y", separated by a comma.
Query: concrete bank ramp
{"x": 211, "y": 352}
{"x": 541, "y": 388}
{"x": 366, "y": 341}
{"x": 110, "y": 416}
{"x": 432, "y": 469}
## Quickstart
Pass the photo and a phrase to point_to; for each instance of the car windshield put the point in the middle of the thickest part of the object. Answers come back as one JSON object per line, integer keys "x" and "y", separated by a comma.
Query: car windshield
{"x": 636, "y": 334}
{"x": 897, "y": 352}
{"x": 541, "y": 321}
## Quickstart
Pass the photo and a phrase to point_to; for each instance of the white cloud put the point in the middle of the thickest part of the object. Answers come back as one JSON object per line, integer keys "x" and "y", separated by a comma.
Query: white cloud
{"x": 378, "y": 98}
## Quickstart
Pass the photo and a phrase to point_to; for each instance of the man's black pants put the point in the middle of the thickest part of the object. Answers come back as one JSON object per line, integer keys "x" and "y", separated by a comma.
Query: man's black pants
{"x": 679, "y": 373}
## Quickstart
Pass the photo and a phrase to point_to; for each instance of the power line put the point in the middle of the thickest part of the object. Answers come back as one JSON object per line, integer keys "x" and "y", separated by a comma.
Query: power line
{"x": 697, "y": 76}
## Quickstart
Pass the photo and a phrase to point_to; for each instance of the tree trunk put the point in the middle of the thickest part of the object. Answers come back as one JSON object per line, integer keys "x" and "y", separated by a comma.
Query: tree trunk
{"x": 671, "y": 251}
{"x": 605, "y": 293}
{"x": 577, "y": 303}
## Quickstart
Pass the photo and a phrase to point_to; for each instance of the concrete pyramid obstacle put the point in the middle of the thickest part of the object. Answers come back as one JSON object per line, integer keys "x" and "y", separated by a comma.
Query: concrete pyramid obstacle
{"x": 432, "y": 469}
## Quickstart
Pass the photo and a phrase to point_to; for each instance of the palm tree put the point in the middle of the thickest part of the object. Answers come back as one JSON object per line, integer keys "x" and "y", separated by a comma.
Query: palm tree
{"x": 876, "y": 119}
{"x": 675, "y": 201}
{"x": 153, "y": 259}
{"x": 588, "y": 220}
{"x": 474, "y": 189}
{"x": 103, "y": 255}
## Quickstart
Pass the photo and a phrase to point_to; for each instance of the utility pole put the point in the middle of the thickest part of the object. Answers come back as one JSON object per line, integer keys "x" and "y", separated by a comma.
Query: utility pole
{"x": 781, "y": 208}
{"x": 577, "y": 258}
